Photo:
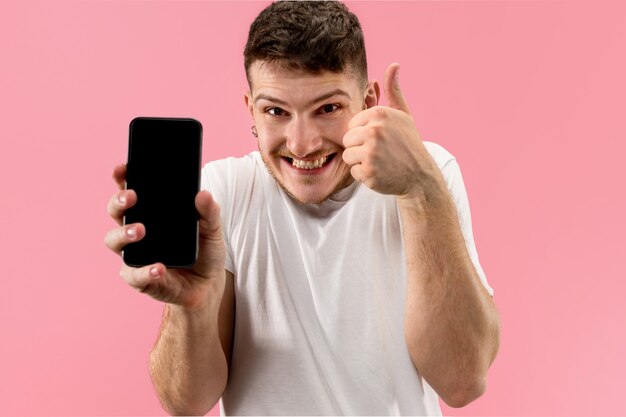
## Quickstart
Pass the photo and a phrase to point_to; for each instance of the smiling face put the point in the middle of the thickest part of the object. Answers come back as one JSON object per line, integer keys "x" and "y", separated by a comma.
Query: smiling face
{"x": 301, "y": 119}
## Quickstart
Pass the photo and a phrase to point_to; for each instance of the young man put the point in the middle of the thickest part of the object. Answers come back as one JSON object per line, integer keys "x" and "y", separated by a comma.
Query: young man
{"x": 337, "y": 270}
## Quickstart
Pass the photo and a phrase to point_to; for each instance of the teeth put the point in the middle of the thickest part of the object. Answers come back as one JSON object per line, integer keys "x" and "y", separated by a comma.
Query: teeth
{"x": 308, "y": 164}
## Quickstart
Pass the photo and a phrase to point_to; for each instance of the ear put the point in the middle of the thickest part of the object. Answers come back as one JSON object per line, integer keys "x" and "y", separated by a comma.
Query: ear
{"x": 372, "y": 95}
{"x": 247, "y": 98}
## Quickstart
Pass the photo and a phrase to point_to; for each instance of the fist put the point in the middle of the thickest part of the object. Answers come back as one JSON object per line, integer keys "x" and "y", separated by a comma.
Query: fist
{"x": 384, "y": 149}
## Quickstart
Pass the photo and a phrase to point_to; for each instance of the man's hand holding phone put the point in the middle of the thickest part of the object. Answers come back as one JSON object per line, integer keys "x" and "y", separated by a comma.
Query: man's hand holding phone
{"x": 190, "y": 288}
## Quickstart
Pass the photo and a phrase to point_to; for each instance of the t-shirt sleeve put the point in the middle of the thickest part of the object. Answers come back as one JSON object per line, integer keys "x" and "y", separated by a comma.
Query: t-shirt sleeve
{"x": 452, "y": 174}
{"x": 214, "y": 180}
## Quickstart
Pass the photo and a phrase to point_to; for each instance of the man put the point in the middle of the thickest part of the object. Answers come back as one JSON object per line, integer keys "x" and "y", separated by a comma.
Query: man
{"x": 337, "y": 271}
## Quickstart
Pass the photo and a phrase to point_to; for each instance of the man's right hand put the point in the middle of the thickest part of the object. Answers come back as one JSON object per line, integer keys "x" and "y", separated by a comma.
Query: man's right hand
{"x": 190, "y": 288}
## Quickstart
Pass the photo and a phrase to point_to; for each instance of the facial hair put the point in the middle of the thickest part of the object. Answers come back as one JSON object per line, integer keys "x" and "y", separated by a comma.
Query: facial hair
{"x": 345, "y": 181}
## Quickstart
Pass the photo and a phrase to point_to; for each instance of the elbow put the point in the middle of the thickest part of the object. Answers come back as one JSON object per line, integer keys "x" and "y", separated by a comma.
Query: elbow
{"x": 186, "y": 398}
{"x": 467, "y": 394}
{"x": 178, "y": 401}
{"x": 187, "y": 408}
{"x": 192, "y": 411}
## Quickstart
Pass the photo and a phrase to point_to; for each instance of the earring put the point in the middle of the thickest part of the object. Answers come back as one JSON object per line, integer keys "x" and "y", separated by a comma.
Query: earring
{"x": 254, "y": 132}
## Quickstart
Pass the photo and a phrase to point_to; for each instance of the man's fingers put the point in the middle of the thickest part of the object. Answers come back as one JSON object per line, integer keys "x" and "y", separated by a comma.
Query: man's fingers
{"x": 119, "y": 176}
{"x": 209, "y": 210}
{"x": 119, "y": 237}
{"x": 392, "y": 88}
{"x": 119, "y": 203}
{"x": 353, "y": 155}
{"x": 142, "y": 278}
{"x": 357, "y": 172}
{"x": 354, "y": 137}
{"x": 360, "y": 119}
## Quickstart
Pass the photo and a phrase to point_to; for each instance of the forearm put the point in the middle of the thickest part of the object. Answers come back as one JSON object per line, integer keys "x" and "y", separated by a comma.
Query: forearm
{"x": 187, "y": 365}
{"x": 451, "y": 326}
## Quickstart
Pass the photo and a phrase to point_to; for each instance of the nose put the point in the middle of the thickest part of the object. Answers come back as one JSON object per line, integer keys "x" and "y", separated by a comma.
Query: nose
{"x": 303, "y": 138}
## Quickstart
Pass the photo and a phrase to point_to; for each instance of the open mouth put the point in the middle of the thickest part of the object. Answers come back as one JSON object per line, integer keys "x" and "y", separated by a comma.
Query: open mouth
{"x": 310, "y": 165}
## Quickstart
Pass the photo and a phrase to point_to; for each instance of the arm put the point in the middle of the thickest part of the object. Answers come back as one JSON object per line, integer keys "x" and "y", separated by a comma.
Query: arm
{"x": 190, "y": 360}
{"x": 451, "y": 324}
{"x": 187, "y": 365}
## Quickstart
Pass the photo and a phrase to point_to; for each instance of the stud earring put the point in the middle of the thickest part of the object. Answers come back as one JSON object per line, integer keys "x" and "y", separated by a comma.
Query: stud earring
{"x": 254, "y": 132}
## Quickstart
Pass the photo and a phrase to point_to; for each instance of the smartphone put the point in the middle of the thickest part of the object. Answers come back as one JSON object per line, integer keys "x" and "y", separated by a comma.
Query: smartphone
{"x": 163, "y": 168}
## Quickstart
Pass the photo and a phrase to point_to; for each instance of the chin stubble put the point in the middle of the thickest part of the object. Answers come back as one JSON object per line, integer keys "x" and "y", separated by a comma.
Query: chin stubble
{"x": 345, "y": 181}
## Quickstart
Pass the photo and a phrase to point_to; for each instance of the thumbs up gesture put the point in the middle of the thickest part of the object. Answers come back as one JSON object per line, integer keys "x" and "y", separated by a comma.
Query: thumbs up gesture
{"x": 384, "y": 149}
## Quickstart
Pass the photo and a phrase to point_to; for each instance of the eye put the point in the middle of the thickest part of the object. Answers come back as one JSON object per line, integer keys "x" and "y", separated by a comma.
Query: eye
{"x": 329, "y": 108}
{"x": 275, "y": 111}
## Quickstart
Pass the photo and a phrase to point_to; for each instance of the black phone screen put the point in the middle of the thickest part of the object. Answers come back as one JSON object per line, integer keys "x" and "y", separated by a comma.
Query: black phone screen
{"x": 164, "y": 161}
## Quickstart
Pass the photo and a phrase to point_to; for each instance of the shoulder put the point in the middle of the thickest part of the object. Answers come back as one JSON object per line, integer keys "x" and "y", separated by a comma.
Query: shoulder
{"x": 230, "y": 166}
{"x": 230, "y": 173}
{"x": 235, "y": 182}
{"x": 440, "y": 154}
{"x": 450, "y": 170}
{"x": 447, "y": 164}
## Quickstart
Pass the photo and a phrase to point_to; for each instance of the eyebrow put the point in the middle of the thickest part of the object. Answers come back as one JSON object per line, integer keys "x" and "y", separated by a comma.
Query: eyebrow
{"x": 312, "y": 102}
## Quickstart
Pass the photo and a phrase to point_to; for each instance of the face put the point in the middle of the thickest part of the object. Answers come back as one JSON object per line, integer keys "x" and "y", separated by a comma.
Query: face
{"x": 301, "y": 119}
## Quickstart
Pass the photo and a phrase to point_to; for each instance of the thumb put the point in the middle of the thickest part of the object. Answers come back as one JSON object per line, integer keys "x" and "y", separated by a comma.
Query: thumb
{"x": 211, "y": 250}
{"x": 392, "y": 88}
{"x": 209, "y": 211}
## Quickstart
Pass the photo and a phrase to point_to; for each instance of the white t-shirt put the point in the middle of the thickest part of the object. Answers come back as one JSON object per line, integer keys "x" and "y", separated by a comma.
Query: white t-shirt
{"x": 320, "y": 293}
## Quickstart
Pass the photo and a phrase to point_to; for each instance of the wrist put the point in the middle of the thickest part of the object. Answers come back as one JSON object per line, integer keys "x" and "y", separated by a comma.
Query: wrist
{"x": 426, "y": 197}
{"x": 186, "y": 323}
{"x": 191, "y": 311}
{"x": 204, "y": 305}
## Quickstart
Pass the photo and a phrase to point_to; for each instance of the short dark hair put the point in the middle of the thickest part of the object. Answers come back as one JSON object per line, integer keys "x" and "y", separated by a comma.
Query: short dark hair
{"x": 308, "y": 35}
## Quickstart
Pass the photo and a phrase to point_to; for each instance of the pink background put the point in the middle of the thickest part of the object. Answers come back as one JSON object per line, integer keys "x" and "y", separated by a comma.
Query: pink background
{"x": 527, "y": 95}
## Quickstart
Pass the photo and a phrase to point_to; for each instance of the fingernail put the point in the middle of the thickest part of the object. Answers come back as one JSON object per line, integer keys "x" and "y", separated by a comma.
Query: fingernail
{"x": 122, "y": 199}
{"x": 131, "y": 233}
{"x": 154, "y": 272}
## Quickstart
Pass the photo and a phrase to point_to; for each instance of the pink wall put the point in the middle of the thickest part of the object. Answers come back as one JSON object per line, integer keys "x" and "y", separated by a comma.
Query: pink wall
{"x": 527, "y": 95}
